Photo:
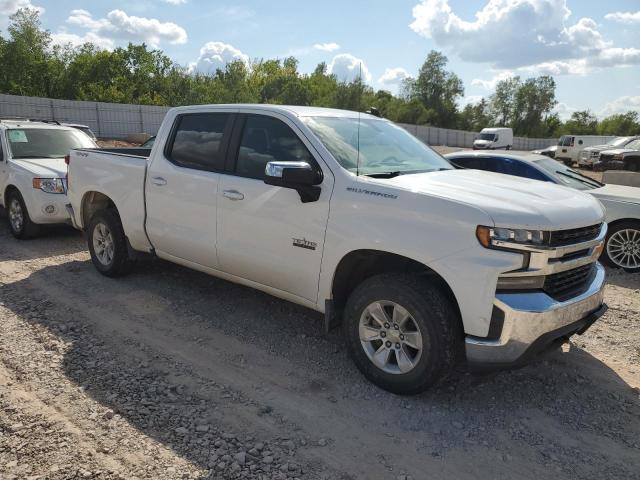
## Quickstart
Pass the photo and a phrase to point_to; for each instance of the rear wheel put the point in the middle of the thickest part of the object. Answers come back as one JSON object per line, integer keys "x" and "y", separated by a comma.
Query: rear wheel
{"x": 20, "y": 222}
{"x": 108, "y": 244}
{"x": 622, "y": 246}
{"x": 402, "y": 332}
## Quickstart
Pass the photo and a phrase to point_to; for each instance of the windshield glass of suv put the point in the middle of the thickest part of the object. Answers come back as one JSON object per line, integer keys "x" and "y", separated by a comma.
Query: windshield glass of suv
{"x": 566, "y": 176}
{"x": 620, "y": 141}
{"x": 487, "y": 136}
{"x": 384, "y": 147}
{"x": 635, "y": 145}
{"x": 45, "y": 142}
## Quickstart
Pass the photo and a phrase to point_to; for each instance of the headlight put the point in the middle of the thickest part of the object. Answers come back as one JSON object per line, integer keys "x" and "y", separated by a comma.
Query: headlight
{"x": 49, "y": 185}
{"x": 494, "y": 237}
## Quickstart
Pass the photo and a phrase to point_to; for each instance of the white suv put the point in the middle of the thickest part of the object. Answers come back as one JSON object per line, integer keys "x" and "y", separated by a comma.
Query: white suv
{"x": 33, "y": 182}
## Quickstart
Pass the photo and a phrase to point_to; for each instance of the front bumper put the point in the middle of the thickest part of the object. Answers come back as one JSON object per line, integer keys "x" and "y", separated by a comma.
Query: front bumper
{"x": 534, "y": 320}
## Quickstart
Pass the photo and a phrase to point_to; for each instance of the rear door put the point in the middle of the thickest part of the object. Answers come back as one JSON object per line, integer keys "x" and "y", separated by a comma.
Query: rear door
{"x": 265, "y": 233}
{"x": 182, "y": 187}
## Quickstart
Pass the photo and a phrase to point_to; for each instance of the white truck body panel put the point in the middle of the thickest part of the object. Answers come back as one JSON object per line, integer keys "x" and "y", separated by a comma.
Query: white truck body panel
{"x": 497, "y": 137}
{"x": 430, "y": 218}
{"x": 570, "y": 147}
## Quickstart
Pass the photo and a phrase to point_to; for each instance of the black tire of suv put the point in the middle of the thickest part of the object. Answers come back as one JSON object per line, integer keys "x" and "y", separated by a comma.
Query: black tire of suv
{"x": 121, "y": 263}
{"x": 434, "y": 312}
{"x": 29, "y": 229}
{"x": 604, "y": 258}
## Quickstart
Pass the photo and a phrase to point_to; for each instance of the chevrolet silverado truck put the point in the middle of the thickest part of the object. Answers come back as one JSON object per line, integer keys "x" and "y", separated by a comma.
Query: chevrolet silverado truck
{"x": 32, "y": 172}
{"x": 423, "y": 265}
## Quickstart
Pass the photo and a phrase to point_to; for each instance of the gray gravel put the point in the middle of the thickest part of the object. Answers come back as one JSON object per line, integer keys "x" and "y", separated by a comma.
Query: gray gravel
{"x": 169, "y": 373}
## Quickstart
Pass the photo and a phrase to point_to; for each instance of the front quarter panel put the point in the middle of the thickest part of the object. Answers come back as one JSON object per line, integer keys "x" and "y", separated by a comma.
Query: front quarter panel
{"x": 436, "y": 232}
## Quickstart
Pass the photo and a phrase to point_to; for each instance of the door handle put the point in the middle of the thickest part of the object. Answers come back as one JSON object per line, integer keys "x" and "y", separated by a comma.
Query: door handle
{"x": 158, "y": 181}
{"x": 233, "y": 195}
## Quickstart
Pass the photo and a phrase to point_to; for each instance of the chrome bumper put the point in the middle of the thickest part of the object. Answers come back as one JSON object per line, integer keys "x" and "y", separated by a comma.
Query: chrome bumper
{"x": 534, "y": 320}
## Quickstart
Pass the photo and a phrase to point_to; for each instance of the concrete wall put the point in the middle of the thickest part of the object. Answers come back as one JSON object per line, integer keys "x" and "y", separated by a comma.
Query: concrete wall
{"x": 114, "y": 120}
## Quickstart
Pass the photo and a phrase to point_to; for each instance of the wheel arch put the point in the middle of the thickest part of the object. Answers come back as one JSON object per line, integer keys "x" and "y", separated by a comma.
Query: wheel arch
{"x": 7, "y": 191}
{"x": 359, "y": 265}
{"x": 92, "y": 202}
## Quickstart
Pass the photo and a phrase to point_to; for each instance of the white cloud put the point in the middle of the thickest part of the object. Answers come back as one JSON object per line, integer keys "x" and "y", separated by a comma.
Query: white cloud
{"x": 520, "y": 33}
{"x": 393, "y": 76}
{"x": 118, "y": 25}
{"x": 621, "y": 105}
{"x": 9, "y": 7}
{"x": 175, "y": 2}
{"x": 346, "y": 68}
{"x": 327, "y": 47}
{"x": 630, "y": 18}
{"x": 470, "y": 100}
{"x": 564, "y": 111}
{"x": 216, "y": 55}
{"x": 65, "y": 38}
{"x": 492, "y": 82}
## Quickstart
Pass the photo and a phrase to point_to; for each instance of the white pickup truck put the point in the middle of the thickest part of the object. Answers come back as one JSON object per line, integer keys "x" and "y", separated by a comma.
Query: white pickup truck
{"x": 32, "y": 172}
{"x": 350, "y": 215}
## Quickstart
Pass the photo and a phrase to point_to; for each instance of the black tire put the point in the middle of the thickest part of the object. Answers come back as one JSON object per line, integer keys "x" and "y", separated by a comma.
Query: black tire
{"x": 119, "y": 263}
{"x": 26, "y": 228}
{"x": 433, "y": 312}
{"x": 508, "y": 147}
{"x": 633, "y": 225}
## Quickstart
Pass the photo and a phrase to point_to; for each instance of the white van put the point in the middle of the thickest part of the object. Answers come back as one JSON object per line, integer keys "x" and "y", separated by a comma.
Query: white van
{"x": 570, "y": 146}
{"x": 492, "y": 138}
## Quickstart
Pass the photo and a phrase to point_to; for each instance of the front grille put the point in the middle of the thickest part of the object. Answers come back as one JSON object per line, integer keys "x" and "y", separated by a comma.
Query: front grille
{"x": 568, "y": 283}
{"x": 561, "y": 238}
{"x": 605, "y": 158}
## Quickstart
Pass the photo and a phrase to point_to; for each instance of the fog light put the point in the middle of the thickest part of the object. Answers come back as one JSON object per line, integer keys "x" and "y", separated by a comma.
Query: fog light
{"x": 520, "y": 283}
{"x": 49, "y": 209}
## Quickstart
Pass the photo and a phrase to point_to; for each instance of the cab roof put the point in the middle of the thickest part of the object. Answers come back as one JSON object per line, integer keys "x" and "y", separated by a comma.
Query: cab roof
{"x": 297, "y": 111}
{"x": 6, "y": 123}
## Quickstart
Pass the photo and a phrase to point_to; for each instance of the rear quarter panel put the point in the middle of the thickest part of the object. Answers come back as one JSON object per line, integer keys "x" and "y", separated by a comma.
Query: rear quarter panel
{"x": 120, "y": 178}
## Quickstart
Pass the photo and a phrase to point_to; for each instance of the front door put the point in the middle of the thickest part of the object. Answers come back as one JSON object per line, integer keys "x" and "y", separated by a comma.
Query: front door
{"x": 265, "y": 233}
{"x": 182, "y": 188}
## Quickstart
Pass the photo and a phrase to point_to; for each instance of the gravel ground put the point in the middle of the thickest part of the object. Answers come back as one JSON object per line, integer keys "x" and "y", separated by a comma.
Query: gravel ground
{"x": 169, "y": 373}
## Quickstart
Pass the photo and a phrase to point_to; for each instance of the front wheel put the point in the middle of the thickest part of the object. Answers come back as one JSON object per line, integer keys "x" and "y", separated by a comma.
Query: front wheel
{"x": 402, "y": 332}
{"x": 20, "y": 222}
{"x": 622, "y": 246}
{"x": 108, "y": 244}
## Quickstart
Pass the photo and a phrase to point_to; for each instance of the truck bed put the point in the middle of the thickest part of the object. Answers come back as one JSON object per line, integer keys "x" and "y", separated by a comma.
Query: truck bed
{"x": 118, "y": 174}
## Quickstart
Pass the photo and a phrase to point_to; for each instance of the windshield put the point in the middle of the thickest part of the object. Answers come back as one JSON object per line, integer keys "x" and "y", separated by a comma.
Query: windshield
{"x": 384, "y": 147}
{"x": 487, "y": 136}
{"x": 567, "y": 176}
{"x": 635, "y": 145}
{"x": 620, "y": 141}
{"x": 45, "y": 142}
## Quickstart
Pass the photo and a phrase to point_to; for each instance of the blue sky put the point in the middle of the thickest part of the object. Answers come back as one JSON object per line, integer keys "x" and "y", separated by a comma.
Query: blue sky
{"x": 592, "y": 48}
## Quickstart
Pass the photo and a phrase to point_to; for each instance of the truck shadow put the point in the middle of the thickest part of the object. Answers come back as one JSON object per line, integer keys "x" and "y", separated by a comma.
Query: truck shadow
{"x": 131, "y": 345}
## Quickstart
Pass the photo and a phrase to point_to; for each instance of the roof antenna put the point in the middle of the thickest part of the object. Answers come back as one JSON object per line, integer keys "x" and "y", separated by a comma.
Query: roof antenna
{"x": 359, "y": 108}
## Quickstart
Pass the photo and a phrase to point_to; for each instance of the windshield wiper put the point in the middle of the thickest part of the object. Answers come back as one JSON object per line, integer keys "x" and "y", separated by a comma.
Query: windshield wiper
{"x": 397, "y": 173}
{"x": 586, "y": 180}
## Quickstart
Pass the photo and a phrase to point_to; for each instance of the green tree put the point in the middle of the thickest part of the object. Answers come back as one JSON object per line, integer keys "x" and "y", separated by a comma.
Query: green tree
{"x": 437, "y": 89}
{"x": 622, "y": 124}
{"x": 475, "y": 117}
{"x": 581, "y": 123}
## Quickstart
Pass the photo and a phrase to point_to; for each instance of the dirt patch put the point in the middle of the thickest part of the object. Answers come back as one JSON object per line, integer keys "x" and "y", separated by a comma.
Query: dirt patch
{"x": 169, "y": 373}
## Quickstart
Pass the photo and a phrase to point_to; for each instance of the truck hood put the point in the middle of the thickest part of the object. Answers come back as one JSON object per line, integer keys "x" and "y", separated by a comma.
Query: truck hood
{"x": 617, "y": 193}
{"x": 619, "y": 151}
{"x": 597, "y": 148}
{"x": 43, "y": 167}
{"x": 510, "y": 201}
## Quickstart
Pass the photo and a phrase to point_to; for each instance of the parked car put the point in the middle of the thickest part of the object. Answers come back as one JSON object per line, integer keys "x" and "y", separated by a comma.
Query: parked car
{"x": 625, "y": 158}
{"x": 622, "y": 203}
{"x": 422, "y": 263}
{"x": 570, "y": 146}
{"x": 82, "y": 128}
{"x": 547, "y": 152}
{"x": 591, "y": 155}
{"x": 149, "y": 142}
{"x": 33, "y": 171}
{"x": 494, "y": 138}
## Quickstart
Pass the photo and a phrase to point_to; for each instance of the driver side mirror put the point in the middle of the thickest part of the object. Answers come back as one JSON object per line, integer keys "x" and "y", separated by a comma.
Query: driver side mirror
{"x": 299, "y": 176}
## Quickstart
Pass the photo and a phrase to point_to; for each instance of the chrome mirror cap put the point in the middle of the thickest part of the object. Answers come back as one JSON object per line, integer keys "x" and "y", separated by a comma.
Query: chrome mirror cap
{"x": 276, "y": 169}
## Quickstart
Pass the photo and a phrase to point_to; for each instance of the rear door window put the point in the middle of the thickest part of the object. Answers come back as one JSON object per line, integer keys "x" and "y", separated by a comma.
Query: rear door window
{"x": 199, "y": 141}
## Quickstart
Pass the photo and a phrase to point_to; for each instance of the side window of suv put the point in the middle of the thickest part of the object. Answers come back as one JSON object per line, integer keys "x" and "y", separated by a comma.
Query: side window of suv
{"x": 266, "y": 139}
{"x": 198, "y": 141}
{"x": 520, "y": 169}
